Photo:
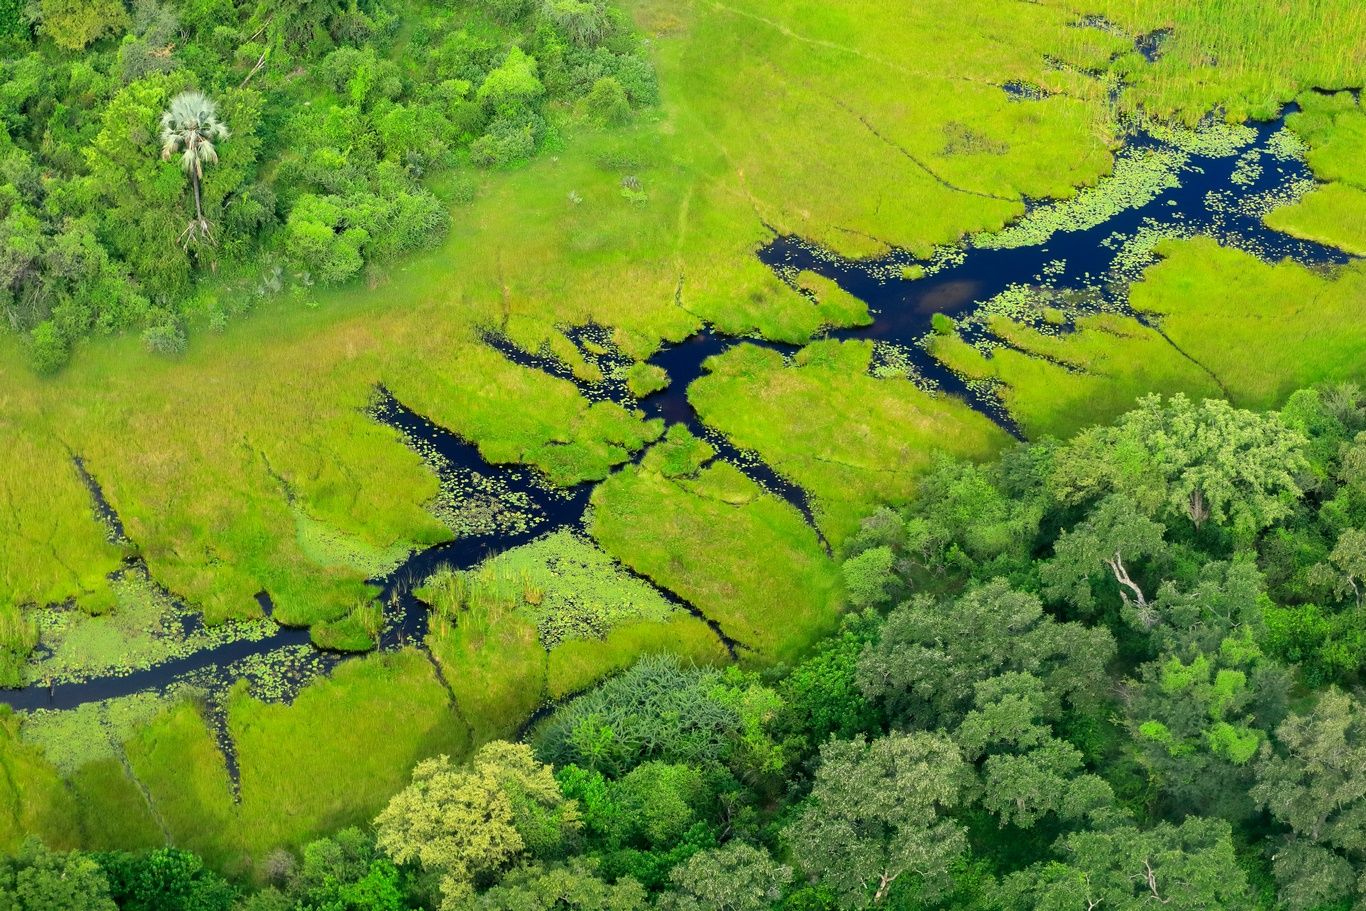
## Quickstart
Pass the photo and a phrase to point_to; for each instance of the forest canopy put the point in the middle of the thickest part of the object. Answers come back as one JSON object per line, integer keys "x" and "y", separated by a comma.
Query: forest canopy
{"x": 329, "y": 123}
{"x": 1119, "y": 671}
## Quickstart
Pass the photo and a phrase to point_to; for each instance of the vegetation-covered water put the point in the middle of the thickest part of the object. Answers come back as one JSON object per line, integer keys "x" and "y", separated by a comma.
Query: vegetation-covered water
{"x": 1084, "y": 251}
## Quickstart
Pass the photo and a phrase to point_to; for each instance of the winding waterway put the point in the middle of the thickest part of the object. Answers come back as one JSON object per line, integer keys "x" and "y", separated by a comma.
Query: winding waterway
{"x": 1220, "y": 195}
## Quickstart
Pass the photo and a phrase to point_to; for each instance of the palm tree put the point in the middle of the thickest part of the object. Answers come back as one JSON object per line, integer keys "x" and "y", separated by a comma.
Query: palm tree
{"x": 189, "y": 127}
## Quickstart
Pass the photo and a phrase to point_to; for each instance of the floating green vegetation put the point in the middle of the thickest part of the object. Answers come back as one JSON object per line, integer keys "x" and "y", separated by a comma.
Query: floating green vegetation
{"x": 1210, "y": 139}
{"x": 1139, "y": 177}
{"x": 562, "y": 584}
{"x": 895, "y": 361}
{"x": 1248, "y": 169}
{"x": 71, "y": 738}
{"x": 278, "y": 676}
{"x": 643, "y": 379}
{"x": 144, "y": 627}
{"x": 475, "y": 503}
{"x": 1286, "y": 145}
{"x": 1137, "y": 251}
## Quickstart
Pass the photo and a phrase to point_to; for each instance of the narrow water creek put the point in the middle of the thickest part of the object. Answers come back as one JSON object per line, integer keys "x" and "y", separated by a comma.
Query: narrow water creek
{"x": 1219, "y": 195}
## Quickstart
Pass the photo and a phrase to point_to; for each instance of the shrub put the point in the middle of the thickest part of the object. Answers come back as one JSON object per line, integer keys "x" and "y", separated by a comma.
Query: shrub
{"x": 505, "y": 142}
{"x": 506, "y": 10}
{"x": 584, "y": 24}
{"x": 165, "y": 338}
{"x": 48, "y": 349}
{"x": 607, "y": 103}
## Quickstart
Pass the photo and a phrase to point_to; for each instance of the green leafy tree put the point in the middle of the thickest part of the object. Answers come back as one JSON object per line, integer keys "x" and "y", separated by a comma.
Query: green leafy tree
{"x": 345, "y": 872}
{"x": 1225, "y": 598}
{"x": 1176, "y": 459}
{"x": 1313, "y": 781}
{"x": 38, "y": 879}
{"x": 606, "y": 103}
{"x": 878, "y": 812}
{"x": 1344, "y": 572}
{"x": 460, "y": 824}
{"x": 1200, "y": 720}
{"x": 1190, "y": 867}
{"x": 189, "y": 128}
{"x": 1107, "y": 544}
{"x": 657, "y": 802}
{"x": 1027, "y": 773}
{"x": 574, "y": 886}
{"x": 658, "y": 709}
{"x": 821, "y": 695}
{"x": 72, "y": 24}
{"x": 868, "y": 579}
{"x": 931, "y": 654}
{"x": 734, "y": 877}
{"x": 1311, "y": 877}
{"x": 167, "y": 879}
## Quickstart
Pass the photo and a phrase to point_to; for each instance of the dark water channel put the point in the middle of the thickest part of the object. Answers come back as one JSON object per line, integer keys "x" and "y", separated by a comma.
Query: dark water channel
{"x": 1089, "y": 261}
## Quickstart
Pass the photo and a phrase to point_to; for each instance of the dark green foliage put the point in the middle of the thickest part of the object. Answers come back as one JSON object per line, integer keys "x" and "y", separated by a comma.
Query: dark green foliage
{"x": 334, "y": 117}
{"x": 656, "y": 710}
{"x": 37, "y": 879}
{"x": 1190, "y": 867}
{"x": 821, "y": 695}
{"x": 165, "y": 880}
{"x": 606, "y": 102}
{"x": 931, "y": 654}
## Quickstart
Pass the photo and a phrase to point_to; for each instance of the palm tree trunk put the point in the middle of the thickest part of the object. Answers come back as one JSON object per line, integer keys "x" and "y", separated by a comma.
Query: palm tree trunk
{"x": 198, "y": 208}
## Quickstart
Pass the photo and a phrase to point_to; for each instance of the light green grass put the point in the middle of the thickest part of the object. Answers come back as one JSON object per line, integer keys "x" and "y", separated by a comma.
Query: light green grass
{"x": 1113, "y": 359}
{"x": 1245, "y": 59}
{"x": 335, "y": 755}
{"x": 33, "y": 799}
{"x": 114, "y": 814}
{"x": 176, "y": 759}
{"x": 1334, "y": 214}
{"x": 1264, "y": 330}
{"x": 193, "y": 453}
{"x": 576, "y": 665}
{"x": 853, "y": 441}
{"x": 745, "y": 558}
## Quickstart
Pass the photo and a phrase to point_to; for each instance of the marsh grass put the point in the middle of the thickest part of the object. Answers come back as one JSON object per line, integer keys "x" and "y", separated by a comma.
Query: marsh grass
{"x": 852, "y": 440}
{"x": 743, "y": 557}
{"x": 1247, "y": 320}
{"x": 191, "y": 452}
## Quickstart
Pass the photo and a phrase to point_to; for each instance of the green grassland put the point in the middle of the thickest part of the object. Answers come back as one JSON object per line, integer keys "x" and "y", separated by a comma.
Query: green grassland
{"x": 1334, "y": 129}
{"x": 1057, "y": 384}
{"x": 854, "y": 441}
{"x": 252, "y": 464}
{"x": 745, "y": 558}
{"x": 1263, "y": 330}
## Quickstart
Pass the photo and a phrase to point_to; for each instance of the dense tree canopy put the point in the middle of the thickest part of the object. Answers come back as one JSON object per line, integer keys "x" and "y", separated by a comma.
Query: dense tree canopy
{"x": 1078, "y": 698}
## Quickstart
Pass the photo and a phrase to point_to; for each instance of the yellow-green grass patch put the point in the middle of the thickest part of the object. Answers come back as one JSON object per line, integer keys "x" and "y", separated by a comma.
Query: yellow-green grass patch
{"x": 853, "y": 441}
